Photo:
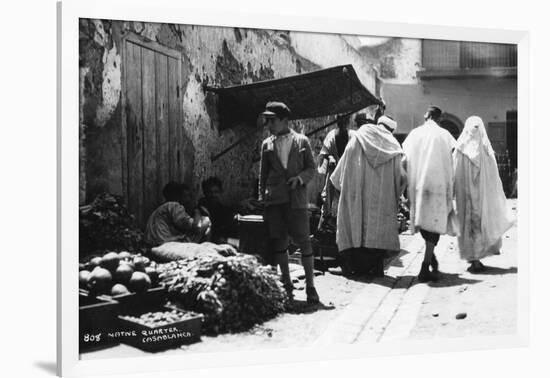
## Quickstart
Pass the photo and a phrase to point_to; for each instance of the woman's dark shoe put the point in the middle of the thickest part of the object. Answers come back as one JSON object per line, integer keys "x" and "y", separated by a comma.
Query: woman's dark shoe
{"x": 425, "y": 275}
{"x": 345, "y": 264}
{"x": 312, "y": 296}
{"x": 476, "y": 267}
{"x": 346, "y": 269}
{"x": 378, "y": 270}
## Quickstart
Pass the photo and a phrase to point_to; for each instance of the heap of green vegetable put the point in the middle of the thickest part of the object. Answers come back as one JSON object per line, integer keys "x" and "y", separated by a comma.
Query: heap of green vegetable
{"x": 233, "y": 292}
{"x": 105, "y": 224}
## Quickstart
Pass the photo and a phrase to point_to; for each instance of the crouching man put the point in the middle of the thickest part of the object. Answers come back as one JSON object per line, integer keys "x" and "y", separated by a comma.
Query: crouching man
{"x": 171, "y": 221}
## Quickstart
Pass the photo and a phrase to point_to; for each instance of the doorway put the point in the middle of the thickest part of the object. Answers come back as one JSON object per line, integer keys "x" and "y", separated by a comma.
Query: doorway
{"x": 512, "y": 137}
{"x": 452, "y": 124}
{"x": 152, "y": 129}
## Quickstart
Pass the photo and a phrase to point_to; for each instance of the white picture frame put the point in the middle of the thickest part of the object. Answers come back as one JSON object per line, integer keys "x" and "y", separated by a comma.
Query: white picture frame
{"x": 68, "y": 158}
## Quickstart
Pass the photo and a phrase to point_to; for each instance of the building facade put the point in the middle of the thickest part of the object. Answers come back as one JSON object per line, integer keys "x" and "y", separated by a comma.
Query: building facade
{"x": 462, "y": 78}
{"x": 146, "y": 118}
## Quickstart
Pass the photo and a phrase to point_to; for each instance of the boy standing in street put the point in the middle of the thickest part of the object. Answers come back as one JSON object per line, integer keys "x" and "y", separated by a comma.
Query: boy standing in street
{"x": 286, "y": 167}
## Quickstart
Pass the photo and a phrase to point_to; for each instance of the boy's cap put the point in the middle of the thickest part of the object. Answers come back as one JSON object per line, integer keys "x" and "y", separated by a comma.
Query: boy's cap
{"x": 278, "y": 109}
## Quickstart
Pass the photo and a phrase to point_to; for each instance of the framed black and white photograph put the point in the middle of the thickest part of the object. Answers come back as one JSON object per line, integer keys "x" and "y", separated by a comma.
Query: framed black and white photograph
{"x": 241, "y": 189}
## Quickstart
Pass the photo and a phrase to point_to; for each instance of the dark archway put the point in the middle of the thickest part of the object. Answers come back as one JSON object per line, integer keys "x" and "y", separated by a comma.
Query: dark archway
{"x": 452, "y": 124}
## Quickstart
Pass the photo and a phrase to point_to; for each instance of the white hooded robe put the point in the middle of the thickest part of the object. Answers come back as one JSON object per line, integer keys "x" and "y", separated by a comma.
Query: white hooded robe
{"x": 369, "y": 179}
{"x": 481, "y": 203}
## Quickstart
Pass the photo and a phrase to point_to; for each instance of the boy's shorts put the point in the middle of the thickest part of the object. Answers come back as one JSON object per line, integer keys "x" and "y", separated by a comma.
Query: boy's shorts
{"x": 283, "y": 222}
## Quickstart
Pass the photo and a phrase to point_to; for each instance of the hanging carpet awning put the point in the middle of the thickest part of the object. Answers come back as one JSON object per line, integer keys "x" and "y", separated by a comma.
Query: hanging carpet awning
{"x": 330, "y": 91}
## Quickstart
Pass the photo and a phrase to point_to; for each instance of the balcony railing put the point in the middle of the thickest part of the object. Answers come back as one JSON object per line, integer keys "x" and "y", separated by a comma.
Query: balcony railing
{"x": 453, "y": 55}
{"x": 486, "y": 55}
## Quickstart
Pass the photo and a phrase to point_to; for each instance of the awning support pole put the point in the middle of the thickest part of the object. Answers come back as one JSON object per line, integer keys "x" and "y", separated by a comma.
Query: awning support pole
{"x": 320, "y": 128}
{"x": 235, "y": 144}
{"x": 328, "y": 124}
{"x": 245, "y": 137}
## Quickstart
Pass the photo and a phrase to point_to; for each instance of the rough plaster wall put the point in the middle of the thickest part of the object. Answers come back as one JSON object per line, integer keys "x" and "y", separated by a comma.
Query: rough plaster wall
{"x": 224, "y": 57}
{"x": 82, "y": 139}
{"x": 397, "y": 60}
{"x": 329, "y": 50}
{"x": 110, "y": 74}
{"x": 408, "y": 61}
{"x": 110, "y": 88}
{"x": 212, "y": 56}
{"x": 100, "y": 156}
{"x": 352, "y": 40}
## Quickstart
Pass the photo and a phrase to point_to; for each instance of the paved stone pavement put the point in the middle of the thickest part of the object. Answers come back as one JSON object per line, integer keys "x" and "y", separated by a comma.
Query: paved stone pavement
{"x": 398, "y": 307}
{"x": 395, "y": 307}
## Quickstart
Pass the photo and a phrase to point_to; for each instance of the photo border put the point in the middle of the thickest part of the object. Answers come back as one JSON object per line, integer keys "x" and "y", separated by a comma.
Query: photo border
{"x": 165, "y": 11}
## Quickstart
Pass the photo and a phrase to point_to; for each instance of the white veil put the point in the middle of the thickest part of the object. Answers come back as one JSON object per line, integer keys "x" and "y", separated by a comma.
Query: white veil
{"x": 474, "y": 144}
{"x": 473, "y": 139}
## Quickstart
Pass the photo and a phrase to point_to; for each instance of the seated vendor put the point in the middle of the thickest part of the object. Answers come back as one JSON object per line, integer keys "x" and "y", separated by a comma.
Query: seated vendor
{"x": 222, "y": 216}
{"x": 171, "y": 221}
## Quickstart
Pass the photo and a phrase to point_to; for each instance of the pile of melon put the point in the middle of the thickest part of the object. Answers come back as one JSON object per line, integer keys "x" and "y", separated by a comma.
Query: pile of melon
{"x": 117, "y": 273}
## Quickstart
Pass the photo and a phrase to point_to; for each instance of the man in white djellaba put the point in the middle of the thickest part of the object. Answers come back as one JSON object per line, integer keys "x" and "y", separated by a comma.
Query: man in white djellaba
{"x": 483, "y": 216}
{"x": 370, "y": 180}
{"x": 429, "y": 166}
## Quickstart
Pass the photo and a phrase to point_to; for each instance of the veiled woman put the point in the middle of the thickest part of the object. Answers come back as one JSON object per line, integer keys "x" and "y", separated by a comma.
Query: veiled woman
{"x": 481, "y": 203}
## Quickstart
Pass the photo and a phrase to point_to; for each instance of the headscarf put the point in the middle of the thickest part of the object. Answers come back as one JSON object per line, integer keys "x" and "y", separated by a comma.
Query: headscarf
{"x": 388, "y": 122}
{"x": 473, "y": 138}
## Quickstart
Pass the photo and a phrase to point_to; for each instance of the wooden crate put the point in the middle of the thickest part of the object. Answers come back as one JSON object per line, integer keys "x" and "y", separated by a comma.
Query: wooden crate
{"x": 141, "y": 302}
{"x": 97, "y": 317}
{"x": 159, "y": 338}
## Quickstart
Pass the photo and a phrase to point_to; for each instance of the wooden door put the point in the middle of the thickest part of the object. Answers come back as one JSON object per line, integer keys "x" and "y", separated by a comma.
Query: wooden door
{"x": 496, "y": 131}
{"x": 512, "y": 136}
{"x": 152, "y": 128}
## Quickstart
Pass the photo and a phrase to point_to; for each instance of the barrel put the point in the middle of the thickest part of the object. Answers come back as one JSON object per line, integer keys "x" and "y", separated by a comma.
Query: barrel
{"x": 253, "y": 236}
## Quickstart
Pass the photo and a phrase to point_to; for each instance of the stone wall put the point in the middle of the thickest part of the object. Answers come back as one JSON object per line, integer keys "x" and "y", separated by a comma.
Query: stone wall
{"x": 212, "y": 56}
